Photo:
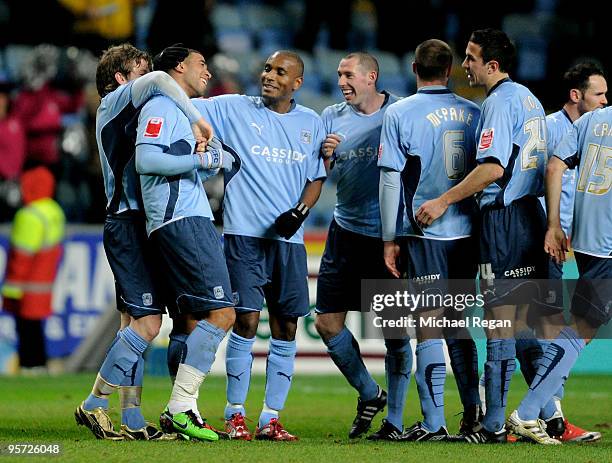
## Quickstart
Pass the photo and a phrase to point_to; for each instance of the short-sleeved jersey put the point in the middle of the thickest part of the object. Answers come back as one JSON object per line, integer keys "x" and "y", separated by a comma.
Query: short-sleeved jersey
{"x": 557, "y": 126}
{"x": 512, "y": 132}
{"x": 277, "y": 154}
{"x": 116, "y": 149}
{"x": 357, "y": 208}
{"x": 430, "y": 136}
{"x": 169, "y": 198}
{"x": 588, "y": 147}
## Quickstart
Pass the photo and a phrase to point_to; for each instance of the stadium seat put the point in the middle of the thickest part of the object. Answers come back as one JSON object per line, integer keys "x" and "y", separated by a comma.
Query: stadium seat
{"x": 258, "y": 17}
{"x": 226, "y": 16}
{"x": 529, "y": 34}
{"x": 327, "y": 61}
{"x": 234, "y": 41}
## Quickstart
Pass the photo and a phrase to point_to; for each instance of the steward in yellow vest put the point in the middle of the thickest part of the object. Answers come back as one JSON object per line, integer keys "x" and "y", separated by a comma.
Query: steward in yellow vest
{"x": 36, "y": 248}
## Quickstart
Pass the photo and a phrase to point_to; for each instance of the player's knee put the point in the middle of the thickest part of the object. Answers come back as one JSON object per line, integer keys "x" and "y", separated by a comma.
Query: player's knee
{"x": 325, "y": 329}
{"x": 223, "y": 318}
{"x": 148, "y": 327}
{"x": 246, "y": 324}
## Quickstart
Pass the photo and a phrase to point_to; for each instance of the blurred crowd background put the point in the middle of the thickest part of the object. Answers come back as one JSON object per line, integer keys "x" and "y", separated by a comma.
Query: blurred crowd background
{"x": 49, "y": 50}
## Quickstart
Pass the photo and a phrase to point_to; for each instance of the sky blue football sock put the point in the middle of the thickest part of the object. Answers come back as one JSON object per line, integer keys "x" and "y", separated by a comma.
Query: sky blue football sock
{"x": 398, "y": 365}
{"x": 499, "y": 367}
{"x": 279, "y": 373}
{"x": 555, "y": 367}
{"x": 464, "y": 362}
{"x": 120, "y": 359}
{"x": 344, "y": 351}
{"x": 130, "y": 396}
{"x": 430, "y": 377}
{"x": 202, "y": 345}
{"x": 561, "y": 392}
{"x": 177, "y": 352}
{"x": 238, "y": 362}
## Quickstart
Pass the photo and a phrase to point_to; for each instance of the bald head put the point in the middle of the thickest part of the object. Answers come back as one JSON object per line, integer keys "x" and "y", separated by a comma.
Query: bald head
{"x": 292, "y": 56}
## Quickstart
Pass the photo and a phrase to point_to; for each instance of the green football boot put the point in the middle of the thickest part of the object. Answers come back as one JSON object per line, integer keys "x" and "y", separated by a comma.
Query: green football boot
{"x": 187, "y": 424}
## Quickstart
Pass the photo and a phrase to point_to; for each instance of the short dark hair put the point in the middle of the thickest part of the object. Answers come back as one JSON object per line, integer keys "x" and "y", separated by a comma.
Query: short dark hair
{"x": 293, "y": 55}
{"x": 496, "y": 45}
{"x": 118, "y": 58}
{"x": 432, "y": 59}
{"x": 366, "y": 61}
{"x": 578, "y": 76}
{"x": 171, "y": 56}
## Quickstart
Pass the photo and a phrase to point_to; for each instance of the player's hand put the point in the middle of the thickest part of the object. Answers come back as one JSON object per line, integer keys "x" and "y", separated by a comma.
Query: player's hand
{"x": 290, "y": 221}
{"x": 430, "y": 211}
{"x": 330, "y": 143}
{"x": 200, "y": 146}
{"x": 202, "y": 131}
{"x": 391, "y": 255}
{"x": 215, "y": 156}
{"x": 555, "y": 244}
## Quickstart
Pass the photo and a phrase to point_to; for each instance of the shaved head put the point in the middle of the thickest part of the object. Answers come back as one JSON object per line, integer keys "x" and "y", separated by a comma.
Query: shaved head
{"x": 366, "y": 61}
{"x": 293, "y": 56}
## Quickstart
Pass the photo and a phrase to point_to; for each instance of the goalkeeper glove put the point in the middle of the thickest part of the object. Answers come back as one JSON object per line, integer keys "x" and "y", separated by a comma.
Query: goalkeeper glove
{"x": 215, "y": 156}
{"x": 290, "y": 221}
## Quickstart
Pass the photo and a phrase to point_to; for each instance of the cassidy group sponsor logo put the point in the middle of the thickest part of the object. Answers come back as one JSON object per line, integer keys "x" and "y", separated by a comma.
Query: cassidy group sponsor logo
{"x": 279, "y": 155}
{"x": 520, "y": 272}
{"x": 361, "y": 154}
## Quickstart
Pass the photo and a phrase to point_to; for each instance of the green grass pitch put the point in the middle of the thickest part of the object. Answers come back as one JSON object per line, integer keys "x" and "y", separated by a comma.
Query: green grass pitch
{"x": 319, "y": 410}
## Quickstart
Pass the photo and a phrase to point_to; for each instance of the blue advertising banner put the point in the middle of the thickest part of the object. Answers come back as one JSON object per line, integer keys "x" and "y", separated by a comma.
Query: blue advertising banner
{"x": 84, "y": 287}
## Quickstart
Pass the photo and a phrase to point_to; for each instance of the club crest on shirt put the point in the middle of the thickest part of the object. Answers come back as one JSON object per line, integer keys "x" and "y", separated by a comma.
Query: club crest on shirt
{"x": 306, "y": 136}
{"x": 154, "y": 126}
{"x": 486, "y": 139}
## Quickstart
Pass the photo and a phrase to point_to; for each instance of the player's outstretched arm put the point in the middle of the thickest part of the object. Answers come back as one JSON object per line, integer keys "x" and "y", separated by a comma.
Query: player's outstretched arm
{"x": 476, "y": 181}
{"x": 389, "y": 198}
{"x": 159, "y": 82}
{"x": 152, "y": 160}
{"x": 555, "y": 242}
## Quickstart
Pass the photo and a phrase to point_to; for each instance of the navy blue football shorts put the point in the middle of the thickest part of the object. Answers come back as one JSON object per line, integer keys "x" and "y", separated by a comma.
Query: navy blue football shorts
{"x": 512, "y": 252}
{"x": 195, "y": 273}
{"x": 348, "y": 258}
{"x": 445, "y": 267}
{"x": 272, "y": 269}
{"x": 131, "y": 260}
{"x": 593, "y": 296}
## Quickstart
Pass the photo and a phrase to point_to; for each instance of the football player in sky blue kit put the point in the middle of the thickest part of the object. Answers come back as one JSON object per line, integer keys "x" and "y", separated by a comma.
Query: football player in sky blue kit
{"x": 431, "y": 136}
{"x": 586, "y": 89}
{"x": 353, "y": 249}
{"x": 180, "y": 228}
{"x": 587, "y": 147}
{"x": 123, "y": 91}
{"x": 510, "y": 173}
{"x": 267, "y": 198}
